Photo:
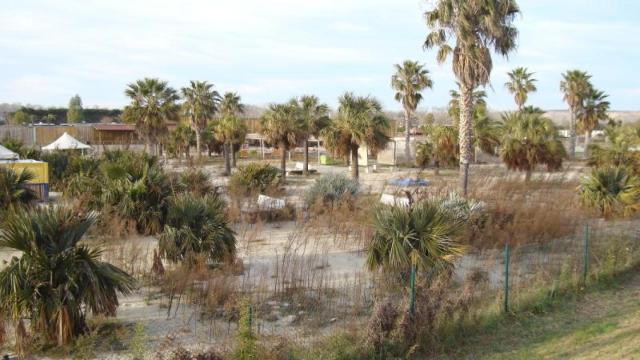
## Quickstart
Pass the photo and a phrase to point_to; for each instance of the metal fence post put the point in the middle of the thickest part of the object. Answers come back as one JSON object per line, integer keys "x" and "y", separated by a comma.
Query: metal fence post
{"x": 506, "y": 277}
{"x": 585, "y": 270}
{"x": 412, "y": 284}
{"x": 249, "y": 317}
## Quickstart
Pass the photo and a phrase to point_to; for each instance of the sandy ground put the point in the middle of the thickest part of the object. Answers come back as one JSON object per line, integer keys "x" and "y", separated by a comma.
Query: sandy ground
{"x": 265, "y": 248}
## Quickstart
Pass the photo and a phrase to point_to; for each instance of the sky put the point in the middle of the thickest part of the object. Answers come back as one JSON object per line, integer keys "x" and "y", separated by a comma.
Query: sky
{"x": 269, "y": 51}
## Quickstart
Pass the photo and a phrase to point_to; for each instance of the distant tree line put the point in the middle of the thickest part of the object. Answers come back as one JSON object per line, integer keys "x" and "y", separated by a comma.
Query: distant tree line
{"x": 74, "y": 113}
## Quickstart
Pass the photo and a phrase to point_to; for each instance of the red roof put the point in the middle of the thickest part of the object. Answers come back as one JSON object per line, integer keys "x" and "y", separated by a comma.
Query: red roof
{"x": 115, "y": 127}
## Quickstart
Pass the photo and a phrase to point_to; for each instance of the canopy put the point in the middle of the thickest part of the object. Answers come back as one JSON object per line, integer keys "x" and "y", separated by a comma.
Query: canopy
{"x": 66, "y": 142}
{"x": 408, "y": 182}
{"x": 6, "y": 154}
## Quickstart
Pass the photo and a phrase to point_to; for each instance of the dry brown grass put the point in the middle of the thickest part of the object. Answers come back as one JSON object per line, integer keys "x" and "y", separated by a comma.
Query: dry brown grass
{"x": 524, "y": 212}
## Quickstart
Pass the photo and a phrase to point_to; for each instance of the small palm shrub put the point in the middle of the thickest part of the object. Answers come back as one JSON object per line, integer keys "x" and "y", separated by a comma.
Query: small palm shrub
{"x": 142, "y": 201}
{"x": 254, "y": 177}
{"x": 197, "y": 225}
{"x": 610, "y": 191}
{"x": 330, "y": 188}
{"x": 422, "y": 234}
{"x": 13, "y": 188}
{"x": 56, "y": 281}
{"x": 192, "y": 180}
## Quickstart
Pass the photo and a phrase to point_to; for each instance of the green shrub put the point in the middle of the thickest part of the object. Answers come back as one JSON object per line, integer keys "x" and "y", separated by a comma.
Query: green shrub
{"x": 610, "y": 191}
{"x": 254, "y": 177}
{"x": 331, "y": 188}
{"x": 197, "y": 225}
{"x": 246, "y": 347}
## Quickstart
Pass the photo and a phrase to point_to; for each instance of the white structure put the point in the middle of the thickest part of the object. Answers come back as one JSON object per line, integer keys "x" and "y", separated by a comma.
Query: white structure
{"x": 388, "y": 199}
{"x": 66, "y": 142}
{"x": 269, "y": 203}
{"x": 6, "y": 154}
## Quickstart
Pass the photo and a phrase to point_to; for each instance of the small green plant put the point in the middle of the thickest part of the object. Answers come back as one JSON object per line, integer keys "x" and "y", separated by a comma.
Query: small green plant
{"x": 246, "y": 347}
{"x": 331, "y": 188}
{"x": 137, "y": 346}
{"x": 84, "y": 347}
{"x": 254, "y": 177}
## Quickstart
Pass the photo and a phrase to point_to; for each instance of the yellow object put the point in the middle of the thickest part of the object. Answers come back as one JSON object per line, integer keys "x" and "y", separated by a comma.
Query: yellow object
{"x": 39, "y": 169}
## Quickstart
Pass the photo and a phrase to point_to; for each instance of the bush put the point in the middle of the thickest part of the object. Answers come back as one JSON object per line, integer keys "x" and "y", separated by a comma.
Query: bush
{"x": 193, "y": 180}
{"x": 331, "y": 188}
{"x": 611, "y": 191}
{"x": 197, "y": 225}
{"x": 254, "y": 177}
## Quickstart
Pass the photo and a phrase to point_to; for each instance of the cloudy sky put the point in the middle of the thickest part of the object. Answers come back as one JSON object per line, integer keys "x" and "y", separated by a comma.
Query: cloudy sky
{"x": 271, "y": 50}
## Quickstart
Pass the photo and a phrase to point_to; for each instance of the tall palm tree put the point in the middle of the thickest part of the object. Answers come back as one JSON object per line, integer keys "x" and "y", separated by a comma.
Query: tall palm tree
{"x": 200, "y": 105}
{"x": 528, "y": 140}
{"x": 420, "y": 235}
{"x": 314, "y": 117}
{"x": 520, "y": 84}
{"x": 593, "y": 111}
{"x": 478, "y": 99}
{"x": 359, "y": 121}
{"x": 282, "y": 129}
{"x": 575, "y": 86}
{"x": 485, "y": 129}
{"x": 153, "y": 103}
{"x": 14, "y": 189}
{"x": 409, "y": 80}
{"x": 231, "y": 129}
{"x": 475, "y": 27}
{"x": 56, "y": 281}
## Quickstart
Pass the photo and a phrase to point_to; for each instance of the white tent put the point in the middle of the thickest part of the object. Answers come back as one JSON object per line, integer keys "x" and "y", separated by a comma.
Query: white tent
{"x": 66, "y": 142}
{"x": 6, "y": 154}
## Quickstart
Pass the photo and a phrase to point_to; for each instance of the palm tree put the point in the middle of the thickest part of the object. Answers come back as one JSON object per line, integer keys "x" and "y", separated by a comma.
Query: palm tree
{"x": 197, "y": 225}
{"x": 486, "y": 135}
{"x": 420, "y": 235}
{"x": 282, "y": 129}
{"x": 611, "y": 191}
{"x": 441, "y": 146}
{"x": 529, "y": 139}
{"x": 200, "y": 105}
{"x": 408, "y": 81}
{"x": 56, "y": 281}
{"x": 478, "y": 99}
{"x": 593, "y": 111}
{"x": 575, "y": 86}
{"x": 359, "y": 121}
{"x": 231, "y": 130}
{"x": 314, "y": 117}
{"x": 153, "y": 103}
{"x": 618, "y": 151}
{"x": 14, "y": 189}
{"x": 520, "y": 84}
{"x": 475, "y": 27}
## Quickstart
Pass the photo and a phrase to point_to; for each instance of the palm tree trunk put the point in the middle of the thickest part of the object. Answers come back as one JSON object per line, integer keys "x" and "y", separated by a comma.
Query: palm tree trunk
{"x": 227, "y": 161}
{"x": 572, "y": 135}
{"x": 233, "y": 156}
{"x": 198, "y": 144}
{"x": 466, "y": 136}
{"x": 587, "y": 140}
{"x": 305, "y": 168}
{"x": 527, "y": 175}
{"x": 283, "y": 162}
{"x": 355, "y": 173}
{"x": 436, "y": 168}
{"x": 407, "y": 135}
